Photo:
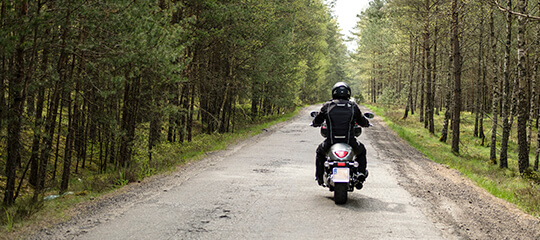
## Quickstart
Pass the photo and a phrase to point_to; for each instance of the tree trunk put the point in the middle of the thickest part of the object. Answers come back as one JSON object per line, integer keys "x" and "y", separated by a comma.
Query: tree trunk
{"x": 62, "y": 102}
{"x": 435, "y": 77}
{"x": 503, "y": 162}
{"x": 484, "y": 93}
{"x": 191, "y": 110}
{"x": 523, "y": 92}
{"x": 448, "y": 102}
{"x": 416, "y": 89}
{"x": 412, "y": 52}
{"x": 496, "y": 92}
{"x": 422, "y": 83}
{"x": 69, "y": 144}
{"x": 456, "y": 51}
{"x": 478, "y": 84}
{"x": 184, "y": 105}
{"x": 34, "y": 158}
{"x": 428, "y": 76}
{"x": 129, "y": 120}
{"x": 154, "y": 135}
{"x": 536, "y": 86}
{"x": 3, "y": 71}
{"x": 15, "y": 115}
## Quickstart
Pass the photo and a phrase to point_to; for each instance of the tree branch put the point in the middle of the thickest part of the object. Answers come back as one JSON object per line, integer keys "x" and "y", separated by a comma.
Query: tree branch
{"x": 515, "y": 13}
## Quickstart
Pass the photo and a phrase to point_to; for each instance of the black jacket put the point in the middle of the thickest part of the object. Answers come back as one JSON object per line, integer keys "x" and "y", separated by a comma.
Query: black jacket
{"x": 340, "y": 115}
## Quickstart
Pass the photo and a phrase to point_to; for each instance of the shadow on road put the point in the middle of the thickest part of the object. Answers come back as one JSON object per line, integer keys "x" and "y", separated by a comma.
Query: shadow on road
{"x": 366, "y": 204}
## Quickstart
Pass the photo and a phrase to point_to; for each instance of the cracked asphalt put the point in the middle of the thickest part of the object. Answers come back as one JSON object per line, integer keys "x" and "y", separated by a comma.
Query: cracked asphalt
{"x": 264, "y": 188}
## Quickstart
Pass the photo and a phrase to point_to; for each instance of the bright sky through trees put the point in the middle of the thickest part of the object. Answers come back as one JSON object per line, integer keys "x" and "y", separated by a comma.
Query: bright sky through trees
{"x": 346, "y": 11}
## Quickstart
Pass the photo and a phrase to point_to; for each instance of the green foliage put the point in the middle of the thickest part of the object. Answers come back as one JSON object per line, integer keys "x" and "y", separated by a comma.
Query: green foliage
{"x": 99, "y": 183}
{"x": 120, "y": 75}
{"x": 121, "y": 181}
{"x": 389, "y": 96}
{"x": 8, "y": 220}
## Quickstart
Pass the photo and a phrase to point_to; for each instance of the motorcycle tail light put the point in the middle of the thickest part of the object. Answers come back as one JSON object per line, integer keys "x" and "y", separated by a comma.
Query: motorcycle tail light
{"x": 341, "y": 154}
{"x": 341, "y": 164}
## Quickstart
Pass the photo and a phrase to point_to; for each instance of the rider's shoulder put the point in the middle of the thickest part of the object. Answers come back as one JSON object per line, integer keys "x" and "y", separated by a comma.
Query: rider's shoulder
{"x": 341, "y": 101}
{"x": 328, "y": 102}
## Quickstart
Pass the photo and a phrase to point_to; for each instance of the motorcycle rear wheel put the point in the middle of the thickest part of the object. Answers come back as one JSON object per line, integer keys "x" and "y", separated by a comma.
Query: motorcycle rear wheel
{"x": 340, "y": 193}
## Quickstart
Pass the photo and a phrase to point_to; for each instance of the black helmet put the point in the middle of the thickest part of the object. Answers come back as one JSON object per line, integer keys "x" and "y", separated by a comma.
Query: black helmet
{"x": 341, "y": 91}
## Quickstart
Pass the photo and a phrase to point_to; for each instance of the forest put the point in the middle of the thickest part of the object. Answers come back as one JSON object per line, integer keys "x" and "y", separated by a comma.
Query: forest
{"x": 456, "y": 56}
{"x": 104, "y": 88}
{"x": 94, "y": 87}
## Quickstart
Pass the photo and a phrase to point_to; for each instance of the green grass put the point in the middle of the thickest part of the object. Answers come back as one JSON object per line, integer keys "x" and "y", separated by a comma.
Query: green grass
{"x": 473, "y": 160}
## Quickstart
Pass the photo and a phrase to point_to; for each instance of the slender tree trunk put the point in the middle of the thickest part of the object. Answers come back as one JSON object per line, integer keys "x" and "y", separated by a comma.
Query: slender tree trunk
{"x": 416, "y": 89}
{"x": 483, "y": 106}
{"x": 79, "y": 111}
{"x": 62, "y": 102}
{"x": 255, "y": 98}
{"x": 4, "y": 75}
{"x": 503, "y": 162}
{"x": 76, "y": 126}
{"x": 34, "y": 159}
{"x": 428, "y": 121}
{"x": 411, "y": 73}
{"x": 523, "y": 92}
{"x": 422, "y": 83}
{"x": 456, "y": 51}
{"x": 496, "y": 92}
{"x": 15, "y": 114}
{"x": 191, "y": 110}
{"x": 537, "y": 151}
{"x": 83, "y": 138}
{"x": 478, "y": 84}
{"x": 448, "y": 101}
{"x": 173, "y": 117}
{"x": 154, "y": 135}
{"x": 435, "y": 73}
{"x": 536, "y": 86}
{"x": 373, "y": 91}
{"x": 129, "y": 120}
{"x": 68, "y": 146}
{"x": 184, "y": 105}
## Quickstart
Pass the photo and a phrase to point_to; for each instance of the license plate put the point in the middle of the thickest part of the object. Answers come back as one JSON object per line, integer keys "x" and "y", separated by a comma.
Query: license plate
{"x": 340, "y": 175}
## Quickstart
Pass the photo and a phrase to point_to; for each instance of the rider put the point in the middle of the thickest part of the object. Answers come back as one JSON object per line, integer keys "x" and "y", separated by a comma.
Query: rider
{"x": 341, "y": 115}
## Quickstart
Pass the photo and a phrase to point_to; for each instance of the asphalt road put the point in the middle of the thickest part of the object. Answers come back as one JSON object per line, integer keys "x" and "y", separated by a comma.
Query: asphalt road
{"x": 264, "y": 188}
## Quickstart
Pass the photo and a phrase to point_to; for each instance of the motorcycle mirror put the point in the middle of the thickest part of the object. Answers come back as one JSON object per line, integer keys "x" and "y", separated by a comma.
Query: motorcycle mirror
{"x": 369, "y": 115}
{"x": 314, "y": 114}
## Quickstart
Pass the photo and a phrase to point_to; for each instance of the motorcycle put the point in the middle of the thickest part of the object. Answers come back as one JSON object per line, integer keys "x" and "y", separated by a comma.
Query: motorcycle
{"x": 340, "y": 165}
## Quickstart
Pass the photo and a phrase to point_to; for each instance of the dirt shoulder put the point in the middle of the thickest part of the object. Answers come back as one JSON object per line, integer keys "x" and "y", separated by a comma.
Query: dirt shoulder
{"x": 460, "y": 207}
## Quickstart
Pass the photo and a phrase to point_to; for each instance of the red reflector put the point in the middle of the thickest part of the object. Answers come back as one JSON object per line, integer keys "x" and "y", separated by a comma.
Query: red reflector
{"x": 341, "y": 164}
{"x": 341, "y": 154}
